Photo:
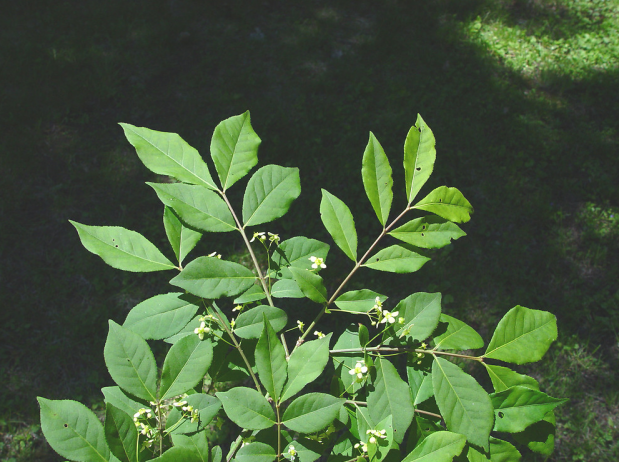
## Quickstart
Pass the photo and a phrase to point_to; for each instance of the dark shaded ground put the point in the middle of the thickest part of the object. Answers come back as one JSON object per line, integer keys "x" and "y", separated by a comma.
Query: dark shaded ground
{"x": 537, "y": 159}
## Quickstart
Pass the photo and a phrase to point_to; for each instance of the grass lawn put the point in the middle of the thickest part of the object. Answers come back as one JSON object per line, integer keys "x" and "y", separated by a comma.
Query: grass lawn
{"x": 522, "y": 97}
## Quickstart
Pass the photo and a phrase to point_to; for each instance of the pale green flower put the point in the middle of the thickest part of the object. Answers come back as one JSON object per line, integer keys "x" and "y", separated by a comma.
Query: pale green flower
{"x": 202, "y": 330}
{"x": 292, "y": 452}
{"x": 300, "y": 325}
{"x": 359, "y": 371}
{"x": 363, "y": 446}
{"x": 260, "y": 236}
{"x": 317, "y": 262}
{"x": 273, "y": 237}
{"x": 389, "y": 317}
{"x": 215, "y": 254}
{"x": 319, "y": 334}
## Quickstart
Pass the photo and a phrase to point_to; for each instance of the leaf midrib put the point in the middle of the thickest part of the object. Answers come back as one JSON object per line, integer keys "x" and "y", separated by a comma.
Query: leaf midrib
{"x": 262, "y": 202}
{"x": 118, "y": 249}
{"x": 165, "y": 153}
{"x": 517, "y": 338}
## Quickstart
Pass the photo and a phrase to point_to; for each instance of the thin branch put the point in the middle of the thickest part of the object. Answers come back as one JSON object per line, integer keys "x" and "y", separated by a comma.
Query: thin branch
{"x": 382, "y": 349}
{"x": 420, "y": 411}
{"x": 351, "y": 273}
{"x": 249, "y": 246}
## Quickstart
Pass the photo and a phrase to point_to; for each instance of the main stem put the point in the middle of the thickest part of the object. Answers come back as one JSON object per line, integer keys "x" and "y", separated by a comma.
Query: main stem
{"x": 226, "y": 327}
{"x": 249, "y": 246}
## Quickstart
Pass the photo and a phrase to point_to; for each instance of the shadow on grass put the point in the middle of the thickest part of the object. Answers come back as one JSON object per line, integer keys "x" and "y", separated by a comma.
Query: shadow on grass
{"x": 317, "y": 77}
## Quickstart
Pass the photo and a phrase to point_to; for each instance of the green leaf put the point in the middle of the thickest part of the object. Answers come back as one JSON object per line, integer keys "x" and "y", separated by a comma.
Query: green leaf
{"x": 179, "y": 454}
{"x": 539, "y": 437}
{"x": 429, "y": 232}
{"x": 286, "y": 288}
{"x": 196, "y": 206}
{"x": 161, "y": 316}
{"x": 247, "y": 408}
{"x": 421, "y": 312}
{"x": 503, "y": 451}
{"x": 256, "y": 452}
{"x": 420, "y": 384}
{"x": 448, "y": 203}
{"x": 207, "y": 407}
{"x": 518, "y": 407}
{"x": 196, "y": 443}
{"x": 438, "y": 447}
{"x": 359, "y": 301}
{"x": 390, "y": 396}
{"x": 522, "y": 336}
{"x": 213, "y": 278}
{"x": 420, "y": 429}
{"x": 130, "y": 362}
{"x": 270, "y": 361}
{"x": 419, "y": 157}
{"x": 249, "y": 324}
{"x": 311, "y": 284}
{"x": 185, "y": 365}
{"x": 305, "y": 364}
{"x": 168, "y": 154}
{"x": 504, "y": 378}
{"x": 399, "y": 258}
{"x": 297, "y": 252}
{"x": 119, "y": 399}
{"x": 308, "y": 450}
{"x": 463, "y": 403}
{"x": 344, "y": 362}
{"x": 122, "y": 249}
{"x": 181, "y": 238}
{"x": 338, "y": 221}
{"x": 189, "y": 329}
{"x": 377, "y": 178}
{"x": 269, "y": 194}
{"x": 364, "y": 422}
{"x": 312, "y": 412}
{"x": 216, "y": 454}
{"x": 253, "y": 294}
{"x": 73, "y": 430}
{"x": 234, "y": 149}
{"x": 121, "y": 434}
{"x": 458, "y": 336}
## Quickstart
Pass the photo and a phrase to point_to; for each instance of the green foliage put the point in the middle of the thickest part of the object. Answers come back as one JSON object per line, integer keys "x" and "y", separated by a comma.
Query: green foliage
{"x": 370, "y": 413}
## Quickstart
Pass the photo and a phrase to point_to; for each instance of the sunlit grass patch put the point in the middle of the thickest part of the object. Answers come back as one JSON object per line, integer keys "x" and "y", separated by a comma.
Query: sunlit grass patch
{"x": 564, "y": 37}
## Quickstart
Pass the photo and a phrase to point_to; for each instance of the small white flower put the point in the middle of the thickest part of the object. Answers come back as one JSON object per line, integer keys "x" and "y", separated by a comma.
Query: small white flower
{"x": 300, "y": 326}
{"x": 317, "y": 262}
{"x": 273, "y": 237}
{"x": 378, "y": 305}
{"x": 358, "y": 371}
{"x": 292, "y": 452}
{"x": 363, "y": 446}
{"x": 260, "y": 236}
{"x": 319, "y": 334}
{"x": 389, "y": 317}
{"x": 202, "y": 330}
{"x": 238, "y": 308}
{"x": 215, "y": 254}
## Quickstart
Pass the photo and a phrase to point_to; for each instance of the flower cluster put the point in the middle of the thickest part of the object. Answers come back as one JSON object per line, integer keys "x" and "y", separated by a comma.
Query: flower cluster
{"x": 262, "y": 237}
{"x": 141, "y": 421}
{"x": 204, "y": 328}
{"x": 374, "y": 434}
